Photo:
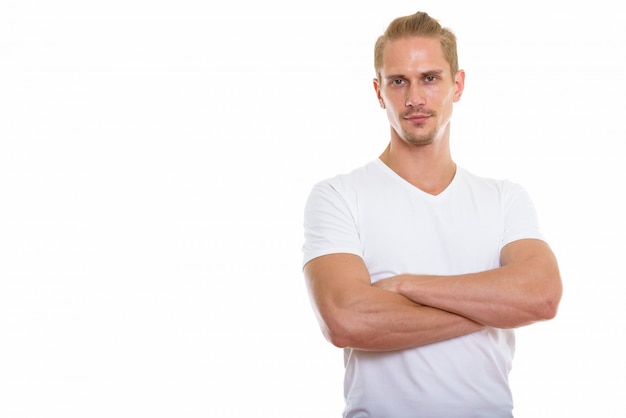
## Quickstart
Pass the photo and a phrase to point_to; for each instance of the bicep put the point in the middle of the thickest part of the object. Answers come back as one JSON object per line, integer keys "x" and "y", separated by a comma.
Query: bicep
{"x": 338, "y": 284}
{"x": 535, "y": 266}
{"x": 333, "y": 280}
{"x": 524, "y": 250}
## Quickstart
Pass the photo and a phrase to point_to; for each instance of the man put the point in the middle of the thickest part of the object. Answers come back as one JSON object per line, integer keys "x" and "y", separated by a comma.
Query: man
{"x": 419, "y": 269}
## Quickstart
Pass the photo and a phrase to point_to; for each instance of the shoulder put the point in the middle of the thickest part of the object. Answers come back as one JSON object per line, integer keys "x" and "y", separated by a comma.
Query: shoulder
{"x": 502, "y": 187}
{"x": 349, "y": 182}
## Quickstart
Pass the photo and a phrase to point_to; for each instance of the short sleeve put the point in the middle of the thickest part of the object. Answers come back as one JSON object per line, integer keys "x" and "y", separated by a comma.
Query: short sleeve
{"x": 329, "y": 223}
{"x": 520, "y": 216}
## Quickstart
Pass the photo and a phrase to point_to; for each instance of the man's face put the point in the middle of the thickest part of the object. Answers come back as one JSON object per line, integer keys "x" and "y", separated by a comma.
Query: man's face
{"x": 417, "y": 89}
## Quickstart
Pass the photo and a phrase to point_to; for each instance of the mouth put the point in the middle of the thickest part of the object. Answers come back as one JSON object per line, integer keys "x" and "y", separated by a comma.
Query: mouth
{"x": 417, "y": 117}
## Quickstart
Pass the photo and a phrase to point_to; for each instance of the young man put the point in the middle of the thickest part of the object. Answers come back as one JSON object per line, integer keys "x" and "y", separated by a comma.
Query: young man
{"x": 419, "y": 269}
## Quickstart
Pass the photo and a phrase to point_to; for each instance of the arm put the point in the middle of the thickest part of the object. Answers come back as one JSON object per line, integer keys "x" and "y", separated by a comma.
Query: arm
{"x": 525, "y": 289}
{"x": 353, "y": 313}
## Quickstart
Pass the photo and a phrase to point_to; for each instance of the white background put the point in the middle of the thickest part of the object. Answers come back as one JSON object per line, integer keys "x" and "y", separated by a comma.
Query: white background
{"x": 154, "y": 161}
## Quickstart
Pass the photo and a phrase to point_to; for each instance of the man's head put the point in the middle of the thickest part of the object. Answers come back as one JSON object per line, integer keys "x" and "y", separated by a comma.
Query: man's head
{"x": 418, "y": 24}
{"x": 418, "y": 79}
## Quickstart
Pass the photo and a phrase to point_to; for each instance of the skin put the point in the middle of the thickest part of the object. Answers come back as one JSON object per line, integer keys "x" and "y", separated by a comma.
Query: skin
{"x": 417, "y": 91}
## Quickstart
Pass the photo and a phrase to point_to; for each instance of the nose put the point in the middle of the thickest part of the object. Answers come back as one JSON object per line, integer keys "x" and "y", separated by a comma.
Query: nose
{"x": 415, "y": 96}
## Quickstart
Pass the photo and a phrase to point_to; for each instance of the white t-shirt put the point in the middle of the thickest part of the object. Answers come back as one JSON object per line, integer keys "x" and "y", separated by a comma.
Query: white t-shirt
{"x": 397, "y": 228}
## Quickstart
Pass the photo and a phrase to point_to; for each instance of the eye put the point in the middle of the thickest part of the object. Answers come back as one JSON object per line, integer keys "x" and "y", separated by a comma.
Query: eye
{"x": 397, "y": 82}
{"x": 430, "y": 78}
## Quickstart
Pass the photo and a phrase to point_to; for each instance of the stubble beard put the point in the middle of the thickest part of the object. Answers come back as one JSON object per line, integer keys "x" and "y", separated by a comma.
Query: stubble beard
{"x": 419, "y": 135}
{"x": 419, "y": 139}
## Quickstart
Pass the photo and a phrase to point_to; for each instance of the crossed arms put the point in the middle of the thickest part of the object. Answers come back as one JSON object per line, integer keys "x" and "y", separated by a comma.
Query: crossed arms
{"x": 410, "y": 310}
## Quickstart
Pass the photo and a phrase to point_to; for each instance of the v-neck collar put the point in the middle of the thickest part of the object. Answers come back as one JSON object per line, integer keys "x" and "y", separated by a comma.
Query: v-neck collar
{"x": 416, "y": 189}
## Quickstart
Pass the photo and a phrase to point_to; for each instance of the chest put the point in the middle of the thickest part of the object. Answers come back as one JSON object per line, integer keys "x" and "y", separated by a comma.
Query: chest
{"x": 411, "y": 233}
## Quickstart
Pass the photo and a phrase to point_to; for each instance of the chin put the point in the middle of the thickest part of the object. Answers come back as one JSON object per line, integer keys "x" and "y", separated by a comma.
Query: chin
{"x": 419, "y": 140}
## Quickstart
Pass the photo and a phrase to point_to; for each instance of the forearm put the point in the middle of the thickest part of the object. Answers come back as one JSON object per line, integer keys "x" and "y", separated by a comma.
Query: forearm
{"x": 354, "y": 313}
{"x": 385, "y": 321}
{"x": 506, "y": 297}
{"x": 527, "y": 288}
{"x": 498, "y": 305}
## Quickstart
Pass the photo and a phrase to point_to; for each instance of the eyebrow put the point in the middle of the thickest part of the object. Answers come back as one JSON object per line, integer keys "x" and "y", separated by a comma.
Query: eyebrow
{"x": 423, "y": 74}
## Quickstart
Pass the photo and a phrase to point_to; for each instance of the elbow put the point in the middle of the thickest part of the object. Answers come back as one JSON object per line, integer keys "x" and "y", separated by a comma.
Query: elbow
{"x": 545, "y": 312}
{"x": 552, "y": 298}
{"x": 543, "y": 306}
{"x": 546, "y": 294}
{"x": 340, "y": 331}
{"x": 548, "y": 301}
{"x": 337, "y": 339}
{"x": 549, "y": 307}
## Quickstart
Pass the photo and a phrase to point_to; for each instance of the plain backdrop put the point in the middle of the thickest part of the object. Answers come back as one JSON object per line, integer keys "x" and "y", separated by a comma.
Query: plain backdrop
{"x": 155, "y": 157}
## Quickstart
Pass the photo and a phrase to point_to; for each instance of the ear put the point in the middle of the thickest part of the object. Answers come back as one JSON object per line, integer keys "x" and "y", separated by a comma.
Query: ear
{"x": 378, "y": 95}
{"x": 459, "y": 82}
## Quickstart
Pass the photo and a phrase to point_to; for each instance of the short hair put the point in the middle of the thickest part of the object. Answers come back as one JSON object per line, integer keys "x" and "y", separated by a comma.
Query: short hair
{"x": 418, "y": 24}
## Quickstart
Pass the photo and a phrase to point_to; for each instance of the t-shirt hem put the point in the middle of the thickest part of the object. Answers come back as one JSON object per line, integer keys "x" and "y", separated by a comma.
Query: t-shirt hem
{"x": 312, "y": 255}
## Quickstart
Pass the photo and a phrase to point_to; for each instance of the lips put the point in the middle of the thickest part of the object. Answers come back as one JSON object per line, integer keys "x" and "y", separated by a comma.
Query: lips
{"x": 417, "y": 117}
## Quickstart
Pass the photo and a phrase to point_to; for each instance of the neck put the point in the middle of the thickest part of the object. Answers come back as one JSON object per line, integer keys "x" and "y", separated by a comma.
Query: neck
{"x": 429, "y": 167}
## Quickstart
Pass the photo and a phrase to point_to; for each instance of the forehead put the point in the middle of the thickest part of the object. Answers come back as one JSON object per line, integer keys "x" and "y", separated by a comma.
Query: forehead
{"x": 414, "y": 53}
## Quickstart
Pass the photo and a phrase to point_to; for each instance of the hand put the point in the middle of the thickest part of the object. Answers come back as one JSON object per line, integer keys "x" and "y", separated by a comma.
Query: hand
{"x": 407, "y": 285}
{"x": 391, "y": 284}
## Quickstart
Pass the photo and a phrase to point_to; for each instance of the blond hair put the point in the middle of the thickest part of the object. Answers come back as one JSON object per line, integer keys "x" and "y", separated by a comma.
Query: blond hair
{"x": 418, "y": 24}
